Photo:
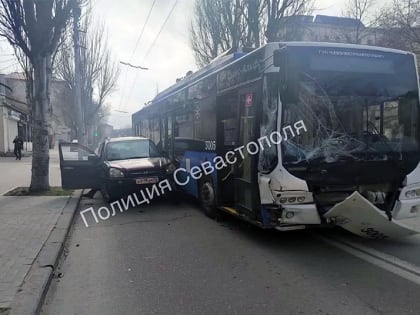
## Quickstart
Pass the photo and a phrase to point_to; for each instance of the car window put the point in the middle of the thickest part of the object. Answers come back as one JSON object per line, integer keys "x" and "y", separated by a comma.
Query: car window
{"x": 74, "y": 152}
{"x": 133, "y": 149}
{"x": 99, "y": 150}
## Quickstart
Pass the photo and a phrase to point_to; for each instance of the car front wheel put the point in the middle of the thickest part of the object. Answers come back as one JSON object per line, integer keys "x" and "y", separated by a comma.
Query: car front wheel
{"x": 109, "y": 194}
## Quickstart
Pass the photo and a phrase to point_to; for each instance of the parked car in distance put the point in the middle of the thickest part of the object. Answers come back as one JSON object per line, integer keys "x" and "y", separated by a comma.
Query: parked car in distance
{"x": 120, "y": 166}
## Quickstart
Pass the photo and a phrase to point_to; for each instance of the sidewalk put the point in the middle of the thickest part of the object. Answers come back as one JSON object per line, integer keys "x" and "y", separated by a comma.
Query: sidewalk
{"x": 32, "y": 234}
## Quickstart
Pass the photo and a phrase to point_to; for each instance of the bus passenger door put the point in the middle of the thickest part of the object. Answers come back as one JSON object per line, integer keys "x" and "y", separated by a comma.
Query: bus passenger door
{"x": 246, "y": 173}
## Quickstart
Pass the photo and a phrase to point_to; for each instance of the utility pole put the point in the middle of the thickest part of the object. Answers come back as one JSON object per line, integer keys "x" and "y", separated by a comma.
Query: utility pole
{"x": 77, "y": 83}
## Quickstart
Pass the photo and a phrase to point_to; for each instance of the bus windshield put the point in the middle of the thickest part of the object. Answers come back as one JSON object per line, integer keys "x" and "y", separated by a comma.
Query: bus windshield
{"x": 355, "y": 104}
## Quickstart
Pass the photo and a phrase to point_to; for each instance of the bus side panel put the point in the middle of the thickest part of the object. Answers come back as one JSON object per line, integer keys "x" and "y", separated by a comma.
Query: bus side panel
{"x": 189, "y": 160}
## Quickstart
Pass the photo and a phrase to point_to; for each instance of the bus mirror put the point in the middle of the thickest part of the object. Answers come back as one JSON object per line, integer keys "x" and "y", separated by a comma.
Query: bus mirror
{"x": 280, "y": 60}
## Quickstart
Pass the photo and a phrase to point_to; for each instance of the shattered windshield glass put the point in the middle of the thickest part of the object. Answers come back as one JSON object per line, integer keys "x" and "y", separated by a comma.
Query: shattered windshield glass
{"x": 357, "y": 106}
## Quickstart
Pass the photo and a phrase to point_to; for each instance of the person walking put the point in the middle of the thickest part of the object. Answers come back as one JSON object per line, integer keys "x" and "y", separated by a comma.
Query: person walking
{"x": 18, "y": 142}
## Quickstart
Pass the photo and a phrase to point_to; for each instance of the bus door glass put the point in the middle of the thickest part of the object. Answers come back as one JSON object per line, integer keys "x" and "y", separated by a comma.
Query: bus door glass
{"x": 246, "y": 178}
{"x": 169, "y": 140}
{"x": 226, "y": 140}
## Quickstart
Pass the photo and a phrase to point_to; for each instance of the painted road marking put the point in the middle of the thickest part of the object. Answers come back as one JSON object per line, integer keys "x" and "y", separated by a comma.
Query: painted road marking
{"x": 388, "y": 262}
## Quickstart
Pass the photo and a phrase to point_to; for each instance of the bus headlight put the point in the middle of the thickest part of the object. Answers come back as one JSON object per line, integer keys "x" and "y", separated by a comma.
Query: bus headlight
{"x": 412, "y": 193}
{"x": 294, "y": 197}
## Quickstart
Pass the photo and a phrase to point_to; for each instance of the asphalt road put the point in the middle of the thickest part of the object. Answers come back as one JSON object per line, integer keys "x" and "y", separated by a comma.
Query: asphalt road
{"x": 171, "y": 259}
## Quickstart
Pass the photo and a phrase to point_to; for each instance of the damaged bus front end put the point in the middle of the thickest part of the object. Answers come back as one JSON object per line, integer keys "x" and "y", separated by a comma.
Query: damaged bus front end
{"x": 357, "y": 163}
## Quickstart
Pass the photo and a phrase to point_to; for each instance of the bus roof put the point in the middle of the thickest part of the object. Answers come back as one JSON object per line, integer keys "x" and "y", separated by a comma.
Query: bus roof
{"x": 222, "y": 62}
{"x": 343, "y": 45}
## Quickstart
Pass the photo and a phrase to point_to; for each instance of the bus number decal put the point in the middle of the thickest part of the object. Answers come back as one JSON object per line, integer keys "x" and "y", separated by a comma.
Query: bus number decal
{"x": 210, "y": 145}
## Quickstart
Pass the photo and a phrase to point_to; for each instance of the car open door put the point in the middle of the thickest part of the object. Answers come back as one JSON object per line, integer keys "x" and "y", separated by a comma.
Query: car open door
{"x": 80, "y": 167}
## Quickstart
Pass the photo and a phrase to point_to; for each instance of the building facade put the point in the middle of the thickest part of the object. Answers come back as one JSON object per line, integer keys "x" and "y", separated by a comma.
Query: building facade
{"x": 324, "y": 28}
{"x": 15, "y": 113}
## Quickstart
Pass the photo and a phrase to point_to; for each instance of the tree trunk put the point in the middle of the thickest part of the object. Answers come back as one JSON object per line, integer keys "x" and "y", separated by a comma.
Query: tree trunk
{"x": 40, "y": 117}
{"x": 236, "y": 27}
{"x": 253, "y": 39}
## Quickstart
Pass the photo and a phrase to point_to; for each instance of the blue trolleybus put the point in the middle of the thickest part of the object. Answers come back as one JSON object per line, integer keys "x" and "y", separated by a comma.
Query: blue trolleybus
{"x": 293, "y": 135}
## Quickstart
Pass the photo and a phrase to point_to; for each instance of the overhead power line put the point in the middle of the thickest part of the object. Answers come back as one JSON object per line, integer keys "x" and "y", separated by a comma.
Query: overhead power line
{"x": 160, "y": 31}
{"x": 142, "y": 31}
{"x": 135, "y": 47}
{"x": 153, "y": 44}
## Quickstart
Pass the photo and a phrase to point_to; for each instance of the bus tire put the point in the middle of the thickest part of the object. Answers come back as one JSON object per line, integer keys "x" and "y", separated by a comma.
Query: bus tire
{"x": 207, "y": 198}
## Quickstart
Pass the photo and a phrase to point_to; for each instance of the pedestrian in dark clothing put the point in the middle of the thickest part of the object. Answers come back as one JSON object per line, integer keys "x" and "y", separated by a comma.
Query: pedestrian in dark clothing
{"x": 18, "y": 147}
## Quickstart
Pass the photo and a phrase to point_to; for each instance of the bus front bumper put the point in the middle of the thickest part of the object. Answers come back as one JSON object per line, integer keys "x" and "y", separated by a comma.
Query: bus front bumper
{"x": 357, "y": 215}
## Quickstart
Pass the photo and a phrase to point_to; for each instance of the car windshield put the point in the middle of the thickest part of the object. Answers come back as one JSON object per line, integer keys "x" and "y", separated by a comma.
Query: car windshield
{"x": 132, "y": 149}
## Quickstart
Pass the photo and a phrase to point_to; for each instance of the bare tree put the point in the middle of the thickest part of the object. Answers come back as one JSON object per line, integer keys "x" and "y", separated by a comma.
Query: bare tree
{"x": 28, "y": 72}
{"x": 279, "y": 13}
{"x": 220, "y": 25}
{"x": 398, "y": 25}
{"x": 358, "y": 10}
{"x": 254, "y": 18}
{"x": 36, "y": 27}
{"x": 99, "y": 72}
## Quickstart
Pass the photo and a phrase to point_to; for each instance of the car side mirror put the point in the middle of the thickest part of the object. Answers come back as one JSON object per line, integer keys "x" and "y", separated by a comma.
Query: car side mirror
{"x": 93, "y": 158}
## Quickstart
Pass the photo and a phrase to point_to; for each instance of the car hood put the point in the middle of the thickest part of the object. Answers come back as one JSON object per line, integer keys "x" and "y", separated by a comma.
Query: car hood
{"x": 142, "y": 163}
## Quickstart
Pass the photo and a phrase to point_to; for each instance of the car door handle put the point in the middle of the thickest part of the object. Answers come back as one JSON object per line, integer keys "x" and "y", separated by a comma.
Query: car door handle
{"x": 68, "y": 168}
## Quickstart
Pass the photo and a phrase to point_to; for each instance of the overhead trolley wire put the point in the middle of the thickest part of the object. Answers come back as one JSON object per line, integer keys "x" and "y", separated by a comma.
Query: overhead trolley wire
{"x": 142, "y": 31}
{"x": 161, "y": 29}
{"x": 153, "y": 44}
{"x": 137, "y": 43}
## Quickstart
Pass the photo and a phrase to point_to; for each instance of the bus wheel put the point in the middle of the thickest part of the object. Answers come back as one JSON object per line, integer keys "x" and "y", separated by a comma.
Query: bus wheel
{"x": 208, "y": 198}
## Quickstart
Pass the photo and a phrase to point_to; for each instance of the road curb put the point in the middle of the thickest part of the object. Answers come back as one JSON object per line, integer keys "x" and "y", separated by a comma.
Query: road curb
{"x": 32, "y": 292}
{"x": 7, "y": 191}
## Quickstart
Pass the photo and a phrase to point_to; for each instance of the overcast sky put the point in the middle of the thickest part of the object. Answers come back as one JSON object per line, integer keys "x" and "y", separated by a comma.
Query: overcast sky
{"x": 169, "y": 58}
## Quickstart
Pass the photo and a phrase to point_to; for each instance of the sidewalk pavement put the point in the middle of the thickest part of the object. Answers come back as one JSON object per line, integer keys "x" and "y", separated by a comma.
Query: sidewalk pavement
{"x": 32, "y": 234}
